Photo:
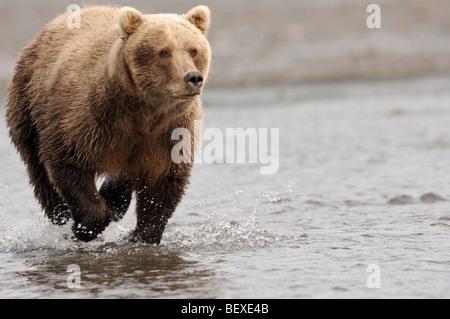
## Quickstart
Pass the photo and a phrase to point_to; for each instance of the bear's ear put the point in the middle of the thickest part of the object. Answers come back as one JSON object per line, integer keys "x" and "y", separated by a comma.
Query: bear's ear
{"x": 129, "y": 20}
{"x": 200, "y": 17}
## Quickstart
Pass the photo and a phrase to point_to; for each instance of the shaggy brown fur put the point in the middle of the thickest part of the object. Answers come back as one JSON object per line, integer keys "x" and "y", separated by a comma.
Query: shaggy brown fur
{"x": 103, "y": 100}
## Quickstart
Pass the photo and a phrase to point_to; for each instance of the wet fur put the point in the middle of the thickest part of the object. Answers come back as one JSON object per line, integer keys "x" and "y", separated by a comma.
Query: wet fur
{"x": 92, "y": 101}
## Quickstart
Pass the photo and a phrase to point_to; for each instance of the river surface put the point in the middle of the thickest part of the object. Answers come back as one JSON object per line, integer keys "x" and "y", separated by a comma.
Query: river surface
{"x": 359, "y": 207}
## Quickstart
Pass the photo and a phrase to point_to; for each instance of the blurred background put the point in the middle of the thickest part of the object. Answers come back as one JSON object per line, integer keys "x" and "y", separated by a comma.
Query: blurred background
{"x": 265, "y": 42}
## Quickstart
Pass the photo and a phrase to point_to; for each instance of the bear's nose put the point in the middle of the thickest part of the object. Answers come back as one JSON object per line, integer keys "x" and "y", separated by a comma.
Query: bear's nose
{"x": 194, "y": 79}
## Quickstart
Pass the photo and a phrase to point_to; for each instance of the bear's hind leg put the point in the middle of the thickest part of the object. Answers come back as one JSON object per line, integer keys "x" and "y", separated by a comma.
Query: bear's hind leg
{"x": 24, "y": 136}
{"x": 117, "y": 193}
{"x": 56, "y": 210}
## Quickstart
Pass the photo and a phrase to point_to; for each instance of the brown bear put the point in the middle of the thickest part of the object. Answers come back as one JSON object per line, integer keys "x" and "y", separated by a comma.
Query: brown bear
{"x": 102, "y": 100}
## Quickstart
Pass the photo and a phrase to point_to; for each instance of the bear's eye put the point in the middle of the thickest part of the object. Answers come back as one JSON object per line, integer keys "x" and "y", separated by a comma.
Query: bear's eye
{"x": 164, "y": 54}
{"x": 193, "y": 53}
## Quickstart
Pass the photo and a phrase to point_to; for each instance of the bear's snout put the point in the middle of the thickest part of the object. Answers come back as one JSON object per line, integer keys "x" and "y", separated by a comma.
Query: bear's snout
{"x": 194, "y": 79}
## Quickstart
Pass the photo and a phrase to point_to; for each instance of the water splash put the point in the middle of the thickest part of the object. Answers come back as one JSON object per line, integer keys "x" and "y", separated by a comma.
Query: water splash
{"x": 3, "y": 191}
{"x": 226, "y": 235}
{"x": 40, "y": 234}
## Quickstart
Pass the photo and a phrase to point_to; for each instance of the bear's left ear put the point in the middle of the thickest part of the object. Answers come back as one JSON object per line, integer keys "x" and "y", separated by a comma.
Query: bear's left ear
{"x": 129, "y": 20}
{"x": 200, "y": 17}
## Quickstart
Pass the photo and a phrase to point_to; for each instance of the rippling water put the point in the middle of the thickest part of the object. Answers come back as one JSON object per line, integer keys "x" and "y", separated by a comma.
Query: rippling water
{"x": 364, "y": 179}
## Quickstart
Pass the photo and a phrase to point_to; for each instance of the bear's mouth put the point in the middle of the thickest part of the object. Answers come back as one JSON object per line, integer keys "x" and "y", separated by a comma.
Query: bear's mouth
{"x": 187, "y": 96}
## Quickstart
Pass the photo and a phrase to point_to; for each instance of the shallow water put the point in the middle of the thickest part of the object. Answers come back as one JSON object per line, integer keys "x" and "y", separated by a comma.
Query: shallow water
{"x": 364, "y": 179}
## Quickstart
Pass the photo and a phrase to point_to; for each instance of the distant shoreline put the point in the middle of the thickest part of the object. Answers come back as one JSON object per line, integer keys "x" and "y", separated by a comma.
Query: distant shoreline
{"x": 263, "y": 43}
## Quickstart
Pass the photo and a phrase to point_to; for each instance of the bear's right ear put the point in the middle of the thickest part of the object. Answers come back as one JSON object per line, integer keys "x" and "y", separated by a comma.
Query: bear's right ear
{"x": 200, "y": 17}
{"x": 129, "y": 20}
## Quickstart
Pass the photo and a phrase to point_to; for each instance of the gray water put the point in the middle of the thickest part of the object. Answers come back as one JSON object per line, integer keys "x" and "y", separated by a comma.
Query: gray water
{"x": 364, "y": 179}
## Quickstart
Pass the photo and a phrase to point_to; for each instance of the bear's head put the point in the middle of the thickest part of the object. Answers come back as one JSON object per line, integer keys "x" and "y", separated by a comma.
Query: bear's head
{"x": 167, "y": 56}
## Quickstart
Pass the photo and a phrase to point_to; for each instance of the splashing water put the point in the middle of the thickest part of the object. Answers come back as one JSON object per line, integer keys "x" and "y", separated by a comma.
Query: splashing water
{"x": 360, "y": 183}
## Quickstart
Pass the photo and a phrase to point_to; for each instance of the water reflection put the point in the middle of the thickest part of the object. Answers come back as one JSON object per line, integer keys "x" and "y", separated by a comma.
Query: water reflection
{"x": 118, "y": 271}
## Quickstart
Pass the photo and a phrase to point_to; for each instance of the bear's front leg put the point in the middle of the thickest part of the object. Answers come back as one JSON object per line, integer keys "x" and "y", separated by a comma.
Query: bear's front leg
{"x": 89, "y": 211}
{"x": 155, "y": 205}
